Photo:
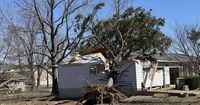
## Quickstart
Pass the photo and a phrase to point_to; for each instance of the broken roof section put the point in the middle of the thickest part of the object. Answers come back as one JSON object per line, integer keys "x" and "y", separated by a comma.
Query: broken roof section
{"x": 98, "y": 56}
{"x": 96, "y": 50}
{"x": 89, "y": 58}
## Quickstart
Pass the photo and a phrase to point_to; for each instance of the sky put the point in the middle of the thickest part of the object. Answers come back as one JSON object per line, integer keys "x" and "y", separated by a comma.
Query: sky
{"x": 174, "y": 11}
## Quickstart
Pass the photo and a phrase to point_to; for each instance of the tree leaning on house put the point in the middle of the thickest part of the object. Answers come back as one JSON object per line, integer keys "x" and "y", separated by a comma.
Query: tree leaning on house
{"x": 133, "y": 30}
{"x": 130, "y": 31}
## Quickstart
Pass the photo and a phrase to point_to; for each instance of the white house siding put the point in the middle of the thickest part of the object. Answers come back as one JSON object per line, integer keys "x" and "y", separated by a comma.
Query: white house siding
{"x": 127, "y": 82}
{"x": 146, "y": 79}
{"x": 161, "y": 77}
{"x": 158, "y": 78}
{"x": 139, "y": 74}
{"x": 72, "y": 78}
{"x": 166, "y": 76}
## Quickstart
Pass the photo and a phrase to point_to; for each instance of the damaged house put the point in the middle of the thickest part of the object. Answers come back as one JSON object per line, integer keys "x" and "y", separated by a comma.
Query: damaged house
{"x": 177, "y": 64}
{"x": 91, "y": 69}
{"x": 135, "y": 73}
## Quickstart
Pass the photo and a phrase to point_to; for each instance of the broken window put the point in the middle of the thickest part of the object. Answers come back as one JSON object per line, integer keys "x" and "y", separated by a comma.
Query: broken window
{"x": 97, "y": 68}
{"x": 93, "y": 70}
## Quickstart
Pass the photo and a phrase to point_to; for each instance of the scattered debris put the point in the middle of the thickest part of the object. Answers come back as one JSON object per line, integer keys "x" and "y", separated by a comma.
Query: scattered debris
{"x": 100, "y": 94}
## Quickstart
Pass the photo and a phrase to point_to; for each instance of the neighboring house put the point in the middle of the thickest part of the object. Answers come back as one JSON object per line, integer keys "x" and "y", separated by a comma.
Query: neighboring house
{"x": 177, "y": 63}
{"x": 181, "y": 63}
{"x": 12, "y": 80}
{"x": 45, "y": 78}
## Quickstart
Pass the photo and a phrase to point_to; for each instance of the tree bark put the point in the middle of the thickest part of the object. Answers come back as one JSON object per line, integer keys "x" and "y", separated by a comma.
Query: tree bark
{"x": 32, "y": 76}
{"x": 47, "y": 79}
{"x": 38, "y": 77}
{"x": 54, "y": 91}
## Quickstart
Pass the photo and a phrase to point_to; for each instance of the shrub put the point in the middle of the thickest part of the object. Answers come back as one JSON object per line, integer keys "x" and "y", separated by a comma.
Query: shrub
{"x": 193, "y": 82}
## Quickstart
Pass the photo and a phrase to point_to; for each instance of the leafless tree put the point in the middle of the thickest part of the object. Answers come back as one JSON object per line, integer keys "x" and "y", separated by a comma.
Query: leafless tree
{"x": 62, "y": 26}
{"x": 21, "y": 40}
{"x": 25, "y": 46}
{"x": 187, "y": 42}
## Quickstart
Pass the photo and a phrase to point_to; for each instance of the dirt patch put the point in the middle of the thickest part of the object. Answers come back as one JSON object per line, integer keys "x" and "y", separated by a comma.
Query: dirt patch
{"x": 162, "y": 100}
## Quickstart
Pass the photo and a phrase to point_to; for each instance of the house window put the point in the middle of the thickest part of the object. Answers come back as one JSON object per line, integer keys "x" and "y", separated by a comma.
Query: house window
{"x": 93, "y": 70}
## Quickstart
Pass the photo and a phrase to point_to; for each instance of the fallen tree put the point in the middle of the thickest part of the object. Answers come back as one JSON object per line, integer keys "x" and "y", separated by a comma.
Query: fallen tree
{"x": 100, "y": 94}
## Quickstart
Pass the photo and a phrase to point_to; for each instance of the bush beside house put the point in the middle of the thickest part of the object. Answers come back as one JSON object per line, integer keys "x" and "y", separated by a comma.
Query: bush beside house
{"x": 192, "y": 82}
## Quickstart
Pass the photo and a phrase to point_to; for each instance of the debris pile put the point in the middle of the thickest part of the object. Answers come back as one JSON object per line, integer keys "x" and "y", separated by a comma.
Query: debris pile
{"x": 100, "y": 94}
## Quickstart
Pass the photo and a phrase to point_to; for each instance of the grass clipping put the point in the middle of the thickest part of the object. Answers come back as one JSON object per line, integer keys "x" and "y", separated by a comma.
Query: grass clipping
{"x": 99, "y": 94}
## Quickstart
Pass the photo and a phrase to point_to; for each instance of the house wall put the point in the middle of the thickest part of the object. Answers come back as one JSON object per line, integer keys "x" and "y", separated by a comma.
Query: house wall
{"x": 158, "y": 78}
{"x": 139, "y": 74}
{"x": 72, "y": 78}
{"x": 161, "y": 77}
{"x": 128, "y": 82}
{"x": 166, "y": 76}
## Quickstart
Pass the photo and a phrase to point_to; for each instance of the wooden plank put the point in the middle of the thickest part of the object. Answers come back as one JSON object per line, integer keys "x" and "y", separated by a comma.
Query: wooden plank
{"x": 153, "y": 71}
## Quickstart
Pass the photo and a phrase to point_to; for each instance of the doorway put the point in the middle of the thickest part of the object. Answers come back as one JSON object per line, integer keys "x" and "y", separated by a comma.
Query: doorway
{"x": 174, "y": 73}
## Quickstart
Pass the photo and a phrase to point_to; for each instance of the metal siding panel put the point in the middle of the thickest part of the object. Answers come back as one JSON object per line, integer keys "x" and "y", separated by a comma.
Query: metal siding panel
{"x": 128, "y": 79}
{"x": 73, "y": 76}
{"x": 139, "y": 74}
{"x": 158, "y": 79}
{"x": 167, "y": 75}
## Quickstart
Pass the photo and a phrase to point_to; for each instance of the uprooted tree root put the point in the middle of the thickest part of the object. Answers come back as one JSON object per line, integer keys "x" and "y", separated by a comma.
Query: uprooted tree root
{"x": 100, "y": 94}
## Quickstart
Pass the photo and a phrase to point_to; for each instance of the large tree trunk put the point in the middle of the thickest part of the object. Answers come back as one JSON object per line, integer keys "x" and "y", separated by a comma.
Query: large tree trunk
{"x": 32, "y": 82}
{"x": 38, "y": 81}
{"x": 54, "y": 79}
{"x": 39, "y": 72}
{"x": 32, "y": 77}
{"x": 47, "y": 79}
